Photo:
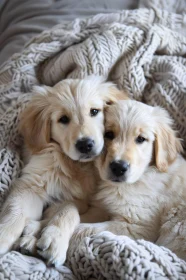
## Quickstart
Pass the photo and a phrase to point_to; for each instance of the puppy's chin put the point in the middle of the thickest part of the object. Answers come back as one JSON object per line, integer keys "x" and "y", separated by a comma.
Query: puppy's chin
{"x": 121, "y": 180}
{"x": 73, "y": 154}
{"x": 81, "y": 158}
{"x": 87, "y": 158}
{"x": 116, "y": 180}
{"x": 90, "y": 157}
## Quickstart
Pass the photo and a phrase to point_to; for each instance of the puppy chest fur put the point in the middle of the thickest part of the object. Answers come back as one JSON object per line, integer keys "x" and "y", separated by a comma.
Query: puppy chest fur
{"x": 141, "y": 205}
{"x": 62, "y": 178}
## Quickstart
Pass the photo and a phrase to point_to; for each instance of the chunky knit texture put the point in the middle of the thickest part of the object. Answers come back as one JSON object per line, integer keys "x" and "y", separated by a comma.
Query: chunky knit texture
{"x": 106, "y": 256}
{"x": 143, "y": 51}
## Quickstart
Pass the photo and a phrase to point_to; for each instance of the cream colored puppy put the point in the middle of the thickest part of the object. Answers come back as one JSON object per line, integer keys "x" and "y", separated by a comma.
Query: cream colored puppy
{"x": 143, "y": 175}
{"x": 63, "y": 130}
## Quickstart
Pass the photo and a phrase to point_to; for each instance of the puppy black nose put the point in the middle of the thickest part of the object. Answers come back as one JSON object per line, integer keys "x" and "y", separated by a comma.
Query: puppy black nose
{"x": 119, "y": 168}
{"x": 85, "y": 145}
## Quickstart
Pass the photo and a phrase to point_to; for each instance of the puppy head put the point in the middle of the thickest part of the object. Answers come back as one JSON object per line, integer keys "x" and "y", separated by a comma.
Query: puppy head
{"x": 133, "y": 131}
{"x": 69, "y": 114}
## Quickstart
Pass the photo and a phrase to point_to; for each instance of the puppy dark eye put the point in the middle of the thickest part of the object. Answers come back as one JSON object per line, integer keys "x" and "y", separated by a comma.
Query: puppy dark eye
{"x": 94, "y": 112}
{"x": 140, "y": 139}
{"x": 109, "y": 135}
{"x": 64, "y": 119}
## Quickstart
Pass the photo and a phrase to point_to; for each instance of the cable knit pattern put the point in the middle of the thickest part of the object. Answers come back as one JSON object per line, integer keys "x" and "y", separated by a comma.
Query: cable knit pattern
{"x": 15, "y": 266}
{"x": 106, "y": 256}
{"x": 143, "y": 51}
{"x": 178, "y": 6}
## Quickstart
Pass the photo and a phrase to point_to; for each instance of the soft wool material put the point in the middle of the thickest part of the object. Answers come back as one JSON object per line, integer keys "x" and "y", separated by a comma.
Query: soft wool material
{"x": 143, "y": 52}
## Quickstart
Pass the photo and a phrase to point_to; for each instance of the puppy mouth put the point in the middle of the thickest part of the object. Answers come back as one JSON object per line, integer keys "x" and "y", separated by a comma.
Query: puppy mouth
{"x": 87, "y": 157}
{"x": 117, "y": 179}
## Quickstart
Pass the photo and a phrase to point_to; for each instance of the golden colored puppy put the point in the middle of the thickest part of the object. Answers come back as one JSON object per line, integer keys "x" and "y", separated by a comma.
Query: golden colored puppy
{"x": 143, "y": 176}
{"x": 63, "y": 130}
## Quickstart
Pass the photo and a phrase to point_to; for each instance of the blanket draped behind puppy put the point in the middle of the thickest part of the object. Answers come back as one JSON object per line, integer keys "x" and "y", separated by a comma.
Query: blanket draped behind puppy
{"x": 143, "y": 51}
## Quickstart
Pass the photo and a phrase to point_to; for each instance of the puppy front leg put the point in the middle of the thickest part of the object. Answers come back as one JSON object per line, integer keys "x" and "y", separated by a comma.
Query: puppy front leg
{"x": 21, "y": 204}
{"x": 54, "y": 241}
{"x": 32, "y": 231}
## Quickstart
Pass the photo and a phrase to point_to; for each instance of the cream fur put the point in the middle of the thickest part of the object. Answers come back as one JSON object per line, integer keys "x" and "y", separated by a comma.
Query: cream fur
{"x": 55, "y": 169}
{"x": 155, "y": 183}
{"x": 149, "y": 202}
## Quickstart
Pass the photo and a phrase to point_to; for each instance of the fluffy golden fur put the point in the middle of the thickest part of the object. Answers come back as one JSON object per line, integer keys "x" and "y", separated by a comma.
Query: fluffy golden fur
{"x": 54, "y": 122}
{"x": 152, "y": 183}
{"x": 146, "y": 200}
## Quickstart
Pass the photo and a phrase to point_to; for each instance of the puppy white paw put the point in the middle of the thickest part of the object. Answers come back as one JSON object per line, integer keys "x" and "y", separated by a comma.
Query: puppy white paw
{"x": 53, "y": 245}
{"x": 32, "y": 228}
{"x": 26, "y": 245}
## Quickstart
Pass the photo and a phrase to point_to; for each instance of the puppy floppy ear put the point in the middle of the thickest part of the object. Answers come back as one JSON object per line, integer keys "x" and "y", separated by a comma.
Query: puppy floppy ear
{"x": 35, "y": 121}
{"x": 114, "y": 94}
{"x": 167, "y": 145}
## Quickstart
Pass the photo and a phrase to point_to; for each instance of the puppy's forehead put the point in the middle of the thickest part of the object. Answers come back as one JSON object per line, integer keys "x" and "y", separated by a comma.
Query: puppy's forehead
{"x": 129, "y": 114}
{"x": 79, "y": 93}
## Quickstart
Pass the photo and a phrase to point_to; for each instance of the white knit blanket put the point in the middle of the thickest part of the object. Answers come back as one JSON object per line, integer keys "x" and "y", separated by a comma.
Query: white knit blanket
{"x": 144, "y": 52}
